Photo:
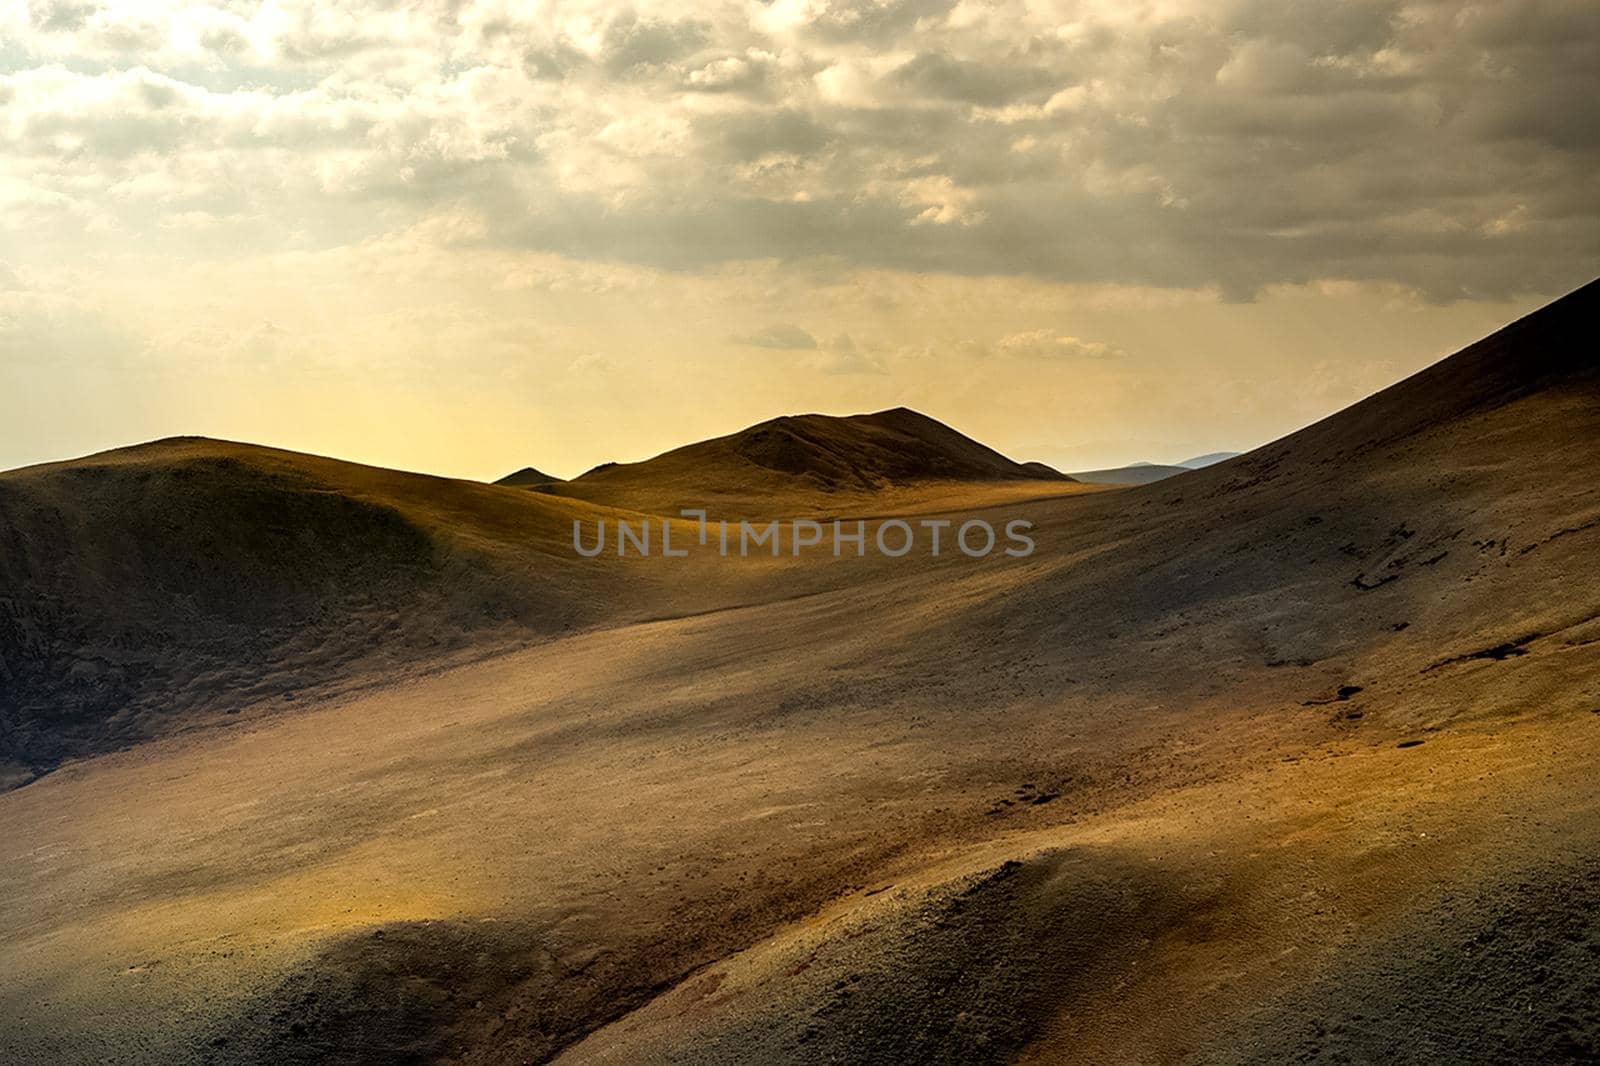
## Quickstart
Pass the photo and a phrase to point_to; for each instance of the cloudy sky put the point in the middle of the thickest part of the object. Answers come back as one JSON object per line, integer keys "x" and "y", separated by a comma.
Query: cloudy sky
{"x": 466, "y": 236}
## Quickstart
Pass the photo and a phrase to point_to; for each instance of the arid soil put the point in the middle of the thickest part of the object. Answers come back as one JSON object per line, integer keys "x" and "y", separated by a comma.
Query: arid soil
{"x": 1286, "y": 759}
{"x": 798, "y": 465}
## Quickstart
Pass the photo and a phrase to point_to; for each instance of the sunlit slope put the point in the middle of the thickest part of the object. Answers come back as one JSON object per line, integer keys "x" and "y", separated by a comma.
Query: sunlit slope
{"x": 1350, "y": 679}
{"x": 151, "y": 583}
{"x": 527, "y": 477}
{"x": 156, "y": 588}
{"x": 887, "y": 462}
{"x": 153, "y": 588}
{"x": 166, "y": 585}
{"x": 1195, "y": 782}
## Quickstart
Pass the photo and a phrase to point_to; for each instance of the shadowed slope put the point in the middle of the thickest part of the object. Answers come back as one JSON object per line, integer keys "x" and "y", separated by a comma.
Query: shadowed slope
{"x": 151, "y": 589}
{"x": 1555, "y": 346}
{"x": 1415, "y": 600}
{"x": 1293, "y": 698}
{"x": 188, "y": 576}
{"x": 173, "y": 582}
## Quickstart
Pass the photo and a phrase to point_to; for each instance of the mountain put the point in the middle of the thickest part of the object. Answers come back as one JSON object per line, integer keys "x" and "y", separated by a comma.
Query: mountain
{"x": 1145, "y": 473}
{"x": 1045, "y": 471}
{"x": 1288, "y": 759}
{"x": 1335, "y": 697}
{"x": 174, "y": 581}
{"x": 1137, "y": 474}
{"x": 805, "y": 462}
{"x": 527, "y": 477}
{"x": 154, "y": 589}
{"x": 1208, "y": 459}
{"x": 171, "y": 582}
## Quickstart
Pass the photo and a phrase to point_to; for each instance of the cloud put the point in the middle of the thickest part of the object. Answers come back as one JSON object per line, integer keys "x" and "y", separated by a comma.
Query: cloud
{"x": 591, "y": 364}
{"x": 1048, "y": 344}
{"x": 781, "y": 336}
{"x": 1234, "y": 144}
{"x": 636, "y": 46}
{"x": 728, "y": 74}
{"x": 941, "y": 76}
{"x": 35, "y": 333}
{"x": 844, "y": 357}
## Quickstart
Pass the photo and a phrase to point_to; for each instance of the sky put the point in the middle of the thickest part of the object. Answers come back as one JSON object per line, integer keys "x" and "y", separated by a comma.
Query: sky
{"x": 464, "y": 236}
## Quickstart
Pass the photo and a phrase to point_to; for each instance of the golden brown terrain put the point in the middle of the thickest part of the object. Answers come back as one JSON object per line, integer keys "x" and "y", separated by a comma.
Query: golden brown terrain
{"x": 1286, "y": 759}
{"x": 891, "y": 462}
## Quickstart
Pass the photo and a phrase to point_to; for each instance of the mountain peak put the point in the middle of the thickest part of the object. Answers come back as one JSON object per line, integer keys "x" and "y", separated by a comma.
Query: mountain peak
{"x": 526, "y": 477}
{"x": 805, "y": 460}
{"x": 896, "y": 446}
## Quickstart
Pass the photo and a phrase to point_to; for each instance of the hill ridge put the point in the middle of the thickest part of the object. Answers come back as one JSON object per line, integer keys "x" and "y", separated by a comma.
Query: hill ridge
{"x": 527, "y": 476}
{"x": 804, "y": 461}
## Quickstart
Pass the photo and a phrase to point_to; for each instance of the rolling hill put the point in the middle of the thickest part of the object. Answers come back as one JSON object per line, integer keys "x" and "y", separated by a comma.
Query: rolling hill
{"x": 1208, "y": 459}
{"x": 803, "y": 464}
{"x": 527, "y": 477}
{"x": 1288, "y": 759}
{"x": 171, "y": 583}
{"x": 1137, "y": 474}
{"x": 1146, "y": 473}
{"x": 184, "y": 581}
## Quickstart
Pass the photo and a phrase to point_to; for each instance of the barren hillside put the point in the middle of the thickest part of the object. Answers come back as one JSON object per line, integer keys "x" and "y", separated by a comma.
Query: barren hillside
{"x": 806, "y": 464}
{"x": 1287, "y": 759}
{"x": 169, "y": 585}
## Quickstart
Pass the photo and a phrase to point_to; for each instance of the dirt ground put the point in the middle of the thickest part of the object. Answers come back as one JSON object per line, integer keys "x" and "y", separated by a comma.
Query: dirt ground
{"x": 1288, "y": 759}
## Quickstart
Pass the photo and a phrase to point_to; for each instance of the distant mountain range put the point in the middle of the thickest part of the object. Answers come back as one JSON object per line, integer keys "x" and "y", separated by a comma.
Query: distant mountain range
{"x": 1287, "y": 760}
{"x": 1145, "y": 473}
{"x": 839, "y": 457}
{"x": 1208, "y": 459}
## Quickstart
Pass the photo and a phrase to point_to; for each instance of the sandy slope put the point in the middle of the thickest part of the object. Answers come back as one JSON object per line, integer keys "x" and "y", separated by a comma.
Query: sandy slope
{"x": 1155, "y": 793}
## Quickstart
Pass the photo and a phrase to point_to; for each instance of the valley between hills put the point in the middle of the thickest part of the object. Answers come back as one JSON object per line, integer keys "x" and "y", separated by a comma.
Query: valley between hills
{"x": 1286, "y": 759}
